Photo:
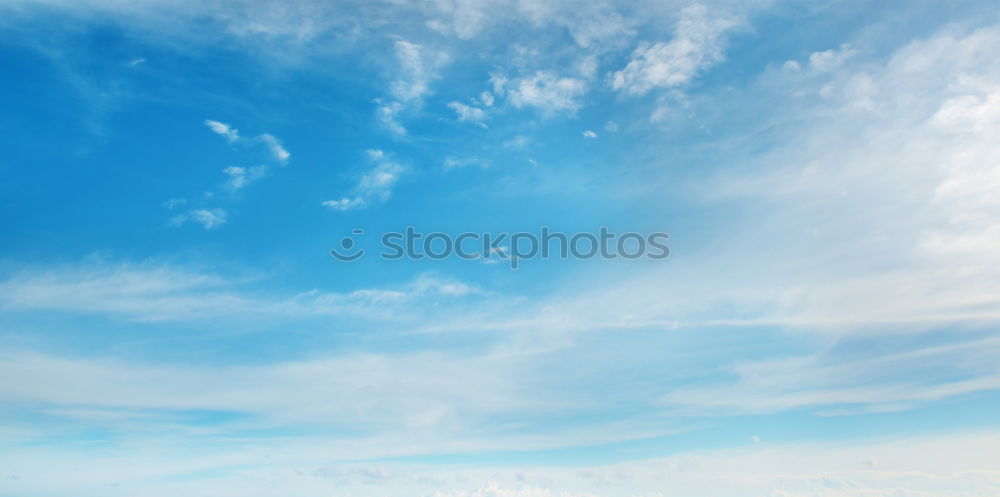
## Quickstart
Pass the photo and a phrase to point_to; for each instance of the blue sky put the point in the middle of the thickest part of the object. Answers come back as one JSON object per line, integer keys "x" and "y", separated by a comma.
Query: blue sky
{"x": 176, "y": 173}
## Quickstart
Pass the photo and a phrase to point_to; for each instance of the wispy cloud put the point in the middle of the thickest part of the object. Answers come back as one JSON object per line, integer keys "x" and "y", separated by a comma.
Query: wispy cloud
{"x": 467, "y": 113}
{"x": 374, "y": 186}
{"x": 278, "y": 151}
{"x": 543, "y": 90}
{"x": 236, "y": 177}
{"x": 239, "y": 177}
{"x": 418, "y": 66}
{"x": 174, "y": 203}
{"x": 274, "y": 146}
{"x": 830, "y": 59}
{"x": 149, "y": 292}
{"x": 697, "y": 44}
{"x": 836, "y": 383}
{"x": 345, "y": 203}
{"x": 207, "y": 218}
{"x": 222, "y": 129}
{"x": 460, "y": 162}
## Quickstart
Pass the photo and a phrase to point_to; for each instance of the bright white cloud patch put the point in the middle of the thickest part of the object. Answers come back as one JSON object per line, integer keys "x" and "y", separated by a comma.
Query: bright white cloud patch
{"x": 698, "y": 43}
{"x": 970, "y": 113}
{"x": 467, "y": 113}
{"x": 345, "y": 204}
{"x": 417, "y": 67}
{"x": 830, "y": 59}
{"x": 543, "y": 90}
{"x": 274, "y": 146}
{"x": 278, "y": 151}
{"x": 228, "y": 132}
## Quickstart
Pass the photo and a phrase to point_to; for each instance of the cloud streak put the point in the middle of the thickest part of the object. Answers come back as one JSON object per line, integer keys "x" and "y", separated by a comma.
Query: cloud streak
{"x": 697, "y": 44}
{"x": 373, "y": 187}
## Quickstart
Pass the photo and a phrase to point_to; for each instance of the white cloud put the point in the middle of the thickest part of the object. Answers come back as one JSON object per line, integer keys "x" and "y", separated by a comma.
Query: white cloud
{"x": 378, "y": 182}
{"x": 460, "y": 162}
{"x": 587, "y": 66}
{"x": 374, "y": 186}
{"x": 970, "y": 112}
{"x": 496, "y": 489}
{"x": 208, "y": 218}
{"x": 273, "y": 144}
{"x": 149, "y": 292}
{"x": 830, "y": 59}
{"x": 388, "y": 115}
{"x": 277, "y": 149}
{"x": 240, "y": 177}
{"x": 418, "y": 66}
{"x": 921, "y": 163}
{"x": 461, "y": 18}
{"x": 589, "y": 134}
{"x": 363, "y": 390}
{"x": 518, "y": 142}
{"x": 698, "y": 43}
{"x": 596, "y": 26}
{"x": 466, "y": 113}
{"x": 543, "y": 90}
{"x": 344, "y": 204}
{"x": 828, "y": 381}
{"x": 895, "y": 235}
{"x": 958, "y": 465}
{"x": 898, "y": 229}
{"x": 236, "y": 177}
{"x": 228, "y": 132}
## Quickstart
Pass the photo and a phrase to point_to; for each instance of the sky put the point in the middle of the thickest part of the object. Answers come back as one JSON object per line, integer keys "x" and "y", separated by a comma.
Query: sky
{"x": 176, "y": 173}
